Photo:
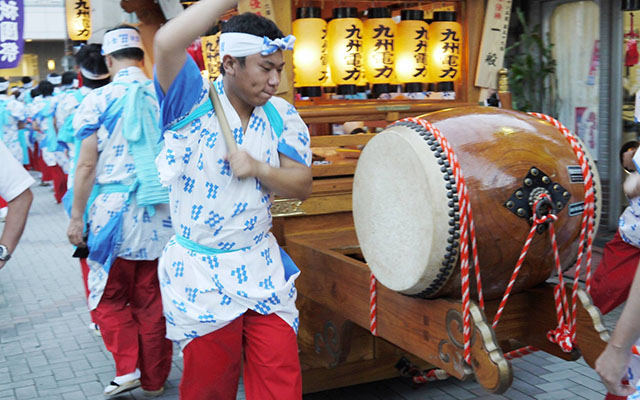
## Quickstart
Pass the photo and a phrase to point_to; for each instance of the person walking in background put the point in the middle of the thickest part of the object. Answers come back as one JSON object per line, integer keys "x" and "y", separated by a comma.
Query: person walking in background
{"x": 612, "y": 278}
{"x": 54, "y": 153}
{"x": 129, "y": 221}
{"x": 94, "y": 75}
{"x": 12, "y": 117}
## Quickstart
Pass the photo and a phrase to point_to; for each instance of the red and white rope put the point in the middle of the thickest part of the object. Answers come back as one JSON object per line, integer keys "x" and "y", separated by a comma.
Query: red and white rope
{"x": 516, "y": 270}
{"x": 438, "y": 374}
{"x": 588, "y": 218}
{"x": 431, "y": 375}
{"x": 466, "y": 228}
{"x": 373, "y": 306}
{"x": 521, "y": 352}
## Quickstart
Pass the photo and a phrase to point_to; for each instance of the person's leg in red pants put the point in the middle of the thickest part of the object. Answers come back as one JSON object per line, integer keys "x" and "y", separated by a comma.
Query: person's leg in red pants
{"x": 212, "y": 364}
{"x": 271, "y": 363}
{"x": 130, "y": 318}
{"x": 113, "y": 315}
{"x": 84, "y": 268}
{"x": 155, "y": 350}
{"x": 612, "y": 278}
{"x": 59, "y": 183}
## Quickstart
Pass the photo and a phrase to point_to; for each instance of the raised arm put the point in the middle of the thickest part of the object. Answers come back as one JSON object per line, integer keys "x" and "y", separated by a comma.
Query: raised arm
{"x": 175, "y": 36}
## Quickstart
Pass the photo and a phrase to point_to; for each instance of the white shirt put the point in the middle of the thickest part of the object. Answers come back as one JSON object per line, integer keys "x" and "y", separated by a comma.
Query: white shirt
{"x": 143, "y": 236}
{"x": 211, "y": 207}
{"x": 14, "y": 179}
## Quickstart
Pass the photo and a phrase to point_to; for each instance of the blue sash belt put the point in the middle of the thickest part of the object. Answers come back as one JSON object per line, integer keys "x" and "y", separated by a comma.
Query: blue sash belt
{"x": 104, "y": 246}
{"x": 290, "y": 267}
{"x": 198, "y": 248}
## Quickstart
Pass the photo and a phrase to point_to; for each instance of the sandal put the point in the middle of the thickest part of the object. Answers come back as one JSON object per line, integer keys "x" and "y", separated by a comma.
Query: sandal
{"x": 115, "y": 388}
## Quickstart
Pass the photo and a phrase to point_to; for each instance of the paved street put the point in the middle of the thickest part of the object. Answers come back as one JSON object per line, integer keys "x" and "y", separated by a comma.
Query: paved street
{"x": 48, "y": 352}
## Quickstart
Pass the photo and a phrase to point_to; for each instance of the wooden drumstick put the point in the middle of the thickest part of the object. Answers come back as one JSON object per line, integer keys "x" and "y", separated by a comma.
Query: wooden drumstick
{"x": 229, "y": 139}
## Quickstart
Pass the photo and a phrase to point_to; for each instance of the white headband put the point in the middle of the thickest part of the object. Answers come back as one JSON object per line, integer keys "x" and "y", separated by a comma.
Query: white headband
{"x": 124, "y": 38}
{"x": 55, "y": 80}
{"x": 27, "y": 85}
{"x": 4, "y": 86}
{"x": 238, "y": 44}
{"x": 90, "y": 75}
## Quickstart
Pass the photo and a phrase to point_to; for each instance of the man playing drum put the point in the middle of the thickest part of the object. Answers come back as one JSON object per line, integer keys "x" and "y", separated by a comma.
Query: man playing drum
{"x": 227, "y": 288}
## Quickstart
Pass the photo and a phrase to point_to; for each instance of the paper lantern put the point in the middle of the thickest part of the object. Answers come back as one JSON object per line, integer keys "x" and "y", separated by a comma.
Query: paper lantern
{"x": 345, "y": 49}
{"x": 411, "y": 50}
{"x": 379, "y": 40}
{"x": 445, "y": 45}
{"x": 211, "y": 55}
{"x": 310, "y": 51}
{"x": 78, "y": 19}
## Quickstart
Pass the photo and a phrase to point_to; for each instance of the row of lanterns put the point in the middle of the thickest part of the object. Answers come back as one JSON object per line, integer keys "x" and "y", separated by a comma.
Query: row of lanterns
{"x": 347, "y": 52}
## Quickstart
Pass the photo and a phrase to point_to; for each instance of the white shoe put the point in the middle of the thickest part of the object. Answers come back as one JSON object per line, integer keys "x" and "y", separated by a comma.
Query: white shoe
{"x": 122, "y": 384}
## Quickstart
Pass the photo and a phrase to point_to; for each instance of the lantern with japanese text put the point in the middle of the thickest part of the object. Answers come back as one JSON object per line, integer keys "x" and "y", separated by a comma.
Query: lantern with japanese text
{"x": 411, "y": 50}
{"x": 344, "y": 34}
{"x": 78, "y": 19}
{"x": 310, "y": 51}
{"x": 211, "y": 55}
{"x": 379, "y": 37}
{"x": 445, "y": 42}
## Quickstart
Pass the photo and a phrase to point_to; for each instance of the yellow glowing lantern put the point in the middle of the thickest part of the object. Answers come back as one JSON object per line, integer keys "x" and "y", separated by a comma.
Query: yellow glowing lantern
{"x": 411, "y": 50}
{"x": 345, "y": 49}
{"x": 379, "y": 39}
{"x": 211, "y": 55}
{"x": 445, "y": 48}
{"x": 310, "y": 51}
{"x": 78, "y": 19}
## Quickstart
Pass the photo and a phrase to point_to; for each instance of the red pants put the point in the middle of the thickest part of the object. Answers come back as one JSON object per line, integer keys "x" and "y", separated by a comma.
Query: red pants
{"x": 84, "y": 268}
{"x": 3, "y": 203}
{"x": 34, "y": 157}
{"x": 47, "y": 171}
{"x": 271, "y": 365}
{"x": 59, "y": 182}
{"x": 613, "y": 276}
{"x": 132, "y": 324}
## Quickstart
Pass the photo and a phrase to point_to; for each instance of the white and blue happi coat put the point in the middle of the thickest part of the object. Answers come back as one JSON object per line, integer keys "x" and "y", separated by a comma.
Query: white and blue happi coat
{"x": 143, "y": 235}
{"x": 42, "y": 110}
{"x": 223, "y": 259}
{"x": 68, "y": 103}
{"x": 11, "y": 112}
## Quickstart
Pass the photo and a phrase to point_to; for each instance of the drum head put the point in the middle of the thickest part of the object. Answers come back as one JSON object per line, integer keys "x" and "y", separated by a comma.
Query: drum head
{"x": 400, "y": 209}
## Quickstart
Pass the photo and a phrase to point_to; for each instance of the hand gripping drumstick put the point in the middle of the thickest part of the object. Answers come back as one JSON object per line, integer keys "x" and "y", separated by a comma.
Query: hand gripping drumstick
{"x": 222, "y": 118}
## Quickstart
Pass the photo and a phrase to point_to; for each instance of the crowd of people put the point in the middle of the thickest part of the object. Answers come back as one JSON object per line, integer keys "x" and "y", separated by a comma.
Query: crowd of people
{"x": 170, "y": 209}
{"x": 171, "y": 221}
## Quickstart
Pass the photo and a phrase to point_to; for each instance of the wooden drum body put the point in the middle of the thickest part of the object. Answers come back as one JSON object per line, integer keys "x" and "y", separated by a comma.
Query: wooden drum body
{"x": 406, "y": 210}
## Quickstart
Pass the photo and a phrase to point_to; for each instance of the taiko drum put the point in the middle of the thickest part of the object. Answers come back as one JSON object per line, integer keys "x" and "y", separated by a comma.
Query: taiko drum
{"x": 406, "y": 209}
